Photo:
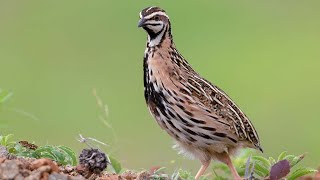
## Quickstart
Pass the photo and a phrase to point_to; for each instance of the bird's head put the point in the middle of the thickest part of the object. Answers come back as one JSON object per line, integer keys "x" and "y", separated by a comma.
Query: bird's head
{"x": 155, "y": 22}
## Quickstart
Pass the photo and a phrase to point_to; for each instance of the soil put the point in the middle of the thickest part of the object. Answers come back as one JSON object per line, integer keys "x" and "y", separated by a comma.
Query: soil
{"x": 18, "y": 168}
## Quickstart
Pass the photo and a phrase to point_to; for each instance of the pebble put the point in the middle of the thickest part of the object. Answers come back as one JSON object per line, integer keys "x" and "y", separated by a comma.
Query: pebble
{"x": 9, "y": 169}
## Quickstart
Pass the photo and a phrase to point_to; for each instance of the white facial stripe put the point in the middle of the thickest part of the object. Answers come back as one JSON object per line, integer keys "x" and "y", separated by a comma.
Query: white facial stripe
{"x": 157, "y": 40}
{"x": 154, "y": 22}
{"x": 156, "y": 13}
{"x": 155, "y": 28}
{"x": 149, "y": 8}
{"x": 140, "y": 15}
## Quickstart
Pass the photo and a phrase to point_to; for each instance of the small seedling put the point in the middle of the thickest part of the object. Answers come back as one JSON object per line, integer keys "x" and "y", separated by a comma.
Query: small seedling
{"x": 159, "y": 175}
{"x": 184, "y": 175}
{"x": 6, "y": 140}
{"x": 280, "y": 168}
{"x": 61, "y": 154}
{"x": 251, "y": 167}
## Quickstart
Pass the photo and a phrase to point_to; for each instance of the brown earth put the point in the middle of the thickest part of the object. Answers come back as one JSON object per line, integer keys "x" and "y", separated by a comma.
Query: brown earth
{"x": 18, "y": 168}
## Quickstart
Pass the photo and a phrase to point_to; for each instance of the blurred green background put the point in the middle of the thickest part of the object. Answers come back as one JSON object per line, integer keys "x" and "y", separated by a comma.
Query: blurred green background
{"x": 264, "y": 54}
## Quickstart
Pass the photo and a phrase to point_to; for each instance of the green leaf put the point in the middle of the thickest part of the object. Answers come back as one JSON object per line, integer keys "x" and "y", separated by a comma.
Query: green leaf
{"x": 60, "y": 157}
{"x": 264, "y": 171}
{"x": 6, "y": 139}
{"x": 45, "y": 148}
{"x": 263, "y": 161}
{"x": 71, "y": 154}
{"x": 159, "y": 170}
{"x": 115, "y": 165}
{"x": 47, "y": 155}
{"x": 282, "y": 156}
{"x": 289, "y": 158}
{"x": 18, "y": 147}
{"x": 272, "y": 161}
{"x": 260, "y": 174}
{"x": 300, "y": 172}
{"x": 12, "y": 150}
{"x": 296, "y": 160}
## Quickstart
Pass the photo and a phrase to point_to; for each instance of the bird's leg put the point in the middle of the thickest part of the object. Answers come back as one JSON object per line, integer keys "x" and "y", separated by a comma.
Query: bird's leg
{"x": 225, "y": 158}
{"x": 203, "y": 168}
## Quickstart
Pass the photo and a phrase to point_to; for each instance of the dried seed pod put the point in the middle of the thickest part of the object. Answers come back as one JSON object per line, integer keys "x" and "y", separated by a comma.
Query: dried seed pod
{"x": 94, "y": 160}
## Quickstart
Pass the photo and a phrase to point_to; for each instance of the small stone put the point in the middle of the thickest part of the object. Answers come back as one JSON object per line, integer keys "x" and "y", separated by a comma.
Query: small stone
{"x": 144, "y": 175}
{"x": 79, "y": 177}
{"x": 9, "y": 169}
{"x": 56, "y": 176}
{"x": 68, "y": 168}
{"x": 3, "y": 151}
{"x": 19, "y": 177}
{"x": 44, "y": 162}
{"x": 11, "y": 156}
{"x": 110, "y": 177}
{"x": 2, "y": 159}
{"x": 25, "y": 172}
{"x": 129, "y": 175}
{"x": 35, "y": 175}
{"x": 42, "y": 171}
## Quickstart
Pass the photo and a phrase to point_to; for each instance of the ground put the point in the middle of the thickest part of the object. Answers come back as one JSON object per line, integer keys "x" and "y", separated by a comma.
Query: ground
{"x": 19, "y": 168}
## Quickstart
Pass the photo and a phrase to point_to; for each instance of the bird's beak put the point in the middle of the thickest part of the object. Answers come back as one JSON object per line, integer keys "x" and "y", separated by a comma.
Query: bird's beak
{"x": 141, "y": 22}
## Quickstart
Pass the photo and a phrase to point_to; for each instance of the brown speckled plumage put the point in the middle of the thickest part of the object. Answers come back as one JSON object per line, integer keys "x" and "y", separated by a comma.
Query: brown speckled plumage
{"x": 202, "y": 119}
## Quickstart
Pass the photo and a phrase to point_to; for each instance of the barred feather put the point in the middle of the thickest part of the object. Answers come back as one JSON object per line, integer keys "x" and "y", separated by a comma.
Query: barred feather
{"x": 197, "y": 114}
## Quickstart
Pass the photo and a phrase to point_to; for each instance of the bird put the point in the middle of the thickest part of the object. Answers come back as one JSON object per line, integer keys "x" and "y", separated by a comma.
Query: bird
{"x": 204, "y": 121}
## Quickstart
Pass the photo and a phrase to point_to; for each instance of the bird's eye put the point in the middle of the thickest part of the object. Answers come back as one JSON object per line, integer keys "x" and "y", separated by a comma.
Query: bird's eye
{"x": 157, "y": 18}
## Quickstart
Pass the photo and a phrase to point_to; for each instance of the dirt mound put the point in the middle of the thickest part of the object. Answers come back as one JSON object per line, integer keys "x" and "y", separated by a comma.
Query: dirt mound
{"x": 17, "y": 168}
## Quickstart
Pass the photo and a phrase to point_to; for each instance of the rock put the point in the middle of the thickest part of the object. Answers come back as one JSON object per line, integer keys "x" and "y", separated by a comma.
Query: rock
{"x": 68, "y": 168}
{"x": 82, "y": 170}
{"x": 2, "y": 159}
{"x": 110, "y": 177}
{"x": 19, "y": 177}
{"x": 41, "y": 172}
{"x": 25, "y": 172}
{"x": 79, "y": 177}
{"x": 144, "y": 175}
{"x": 35, "y": 175}
{"x": 129, "y": 175}
{"x": 44, "y": 162}
{"x": 56, "y": 176}
{"x": 9, "y": 169}
{"x": 3, "y": 151}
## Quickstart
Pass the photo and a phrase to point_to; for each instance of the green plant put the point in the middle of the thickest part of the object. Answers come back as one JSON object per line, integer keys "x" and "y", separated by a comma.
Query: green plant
{"x": 7, "y": 142}
{"x": 181, "y": 174}
{"x": 116, "y": 166}
{"x": 61, "y": 154}
{"x": 258, "y": 166}
{"x": 280, "y": 167}
{"x": 185, "y": 175}
{"x": 158, "y": 174}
